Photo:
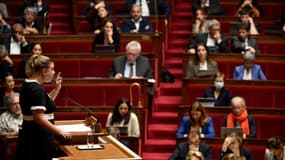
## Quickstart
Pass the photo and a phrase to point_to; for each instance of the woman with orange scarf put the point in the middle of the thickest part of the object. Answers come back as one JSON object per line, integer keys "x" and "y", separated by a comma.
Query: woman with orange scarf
{"x": 239, "y": 118}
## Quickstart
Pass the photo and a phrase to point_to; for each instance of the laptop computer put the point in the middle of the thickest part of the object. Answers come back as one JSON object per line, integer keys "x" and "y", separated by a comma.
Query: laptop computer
{"x": 104, "y": 49}
{"x": 206, "y": 101}
{"x": 123, "y": 131}
{"x": 206, "y": 73}
{"x": 227, "y": 131}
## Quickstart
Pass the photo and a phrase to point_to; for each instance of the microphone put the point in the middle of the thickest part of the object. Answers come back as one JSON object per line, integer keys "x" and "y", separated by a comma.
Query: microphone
{"x": 90, "y": 120}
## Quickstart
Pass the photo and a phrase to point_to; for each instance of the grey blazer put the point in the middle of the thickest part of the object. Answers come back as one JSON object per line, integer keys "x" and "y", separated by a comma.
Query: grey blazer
{"x": 193, "y": 69}
{"x": 237, "y": 45}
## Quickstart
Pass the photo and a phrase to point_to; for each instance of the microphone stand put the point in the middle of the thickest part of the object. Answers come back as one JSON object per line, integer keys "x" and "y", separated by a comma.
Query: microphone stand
{"x": 90, "y": 120}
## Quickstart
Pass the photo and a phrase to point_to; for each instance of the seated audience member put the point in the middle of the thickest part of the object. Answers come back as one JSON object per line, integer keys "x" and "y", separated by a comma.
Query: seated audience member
{"x": 200, "y": 62}
{"x": 221, "y": 94}
{"x": 36, "y": 49}
{"x": 243, "y": 41}
{"x": 122, "y": 116}
{"x": 193, "y": 144}
{"x": 275, "y": 149}
{"x": 213, "y": 7}
{"x": 201, "y": 24}
{"x": 252, "y": 5}
{"x": 215, "y": 42}
{"x": 246, "y": 16}
{"x": 8, "y": 87}
{"x": 108, "y": 36}
{"x": 132, "y": 64}
{"x": 248, "y": 70}
{"x": 96, "y": 18}
{"x": 233, "y": 144}
{"x": 136, "y": 23}
{"x": 41, "y": 7}
{"x": 29, "y": 22}
{"x": 239, "y": 118}
{"x": 148, "y": 8}
{"x": 197, "y": 119}
{"x": 231, "y": 156}
{"x": 4, "y": 26}
{"x": 11, "y": 120}
{"x": 16, "y": 43}
{"x": 6, "y": 63}
{"x": 3, "y": 9}
{"x": 96, "y": 4}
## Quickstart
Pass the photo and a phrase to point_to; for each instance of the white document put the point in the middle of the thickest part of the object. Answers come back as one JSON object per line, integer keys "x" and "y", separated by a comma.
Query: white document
{"x": 74, "y": 128}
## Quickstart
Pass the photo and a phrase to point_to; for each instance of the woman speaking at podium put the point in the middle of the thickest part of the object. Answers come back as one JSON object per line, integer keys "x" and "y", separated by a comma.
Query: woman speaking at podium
{"x": 36, "y": 138}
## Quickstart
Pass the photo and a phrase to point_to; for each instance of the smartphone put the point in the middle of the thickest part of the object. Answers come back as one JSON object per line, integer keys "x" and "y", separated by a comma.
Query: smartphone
{"x": 90, "y": 147}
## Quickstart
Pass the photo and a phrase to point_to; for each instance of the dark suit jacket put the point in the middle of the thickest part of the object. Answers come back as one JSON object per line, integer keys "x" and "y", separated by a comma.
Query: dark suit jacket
{"x": 145, "y": 25}
{"x": 243, "y": 152}
{"x": 237, "y": 45}
{"x": 182, "y": 150}
{"x": 214, "y": 8}
{"x": 224, "y": 98}
{"x": 143, "y": 67}
{"x": 7, "y": 41}
{"x": 218, "y": 48}
{"x": 162, "y": 7}
{"x": 252, "y": 126}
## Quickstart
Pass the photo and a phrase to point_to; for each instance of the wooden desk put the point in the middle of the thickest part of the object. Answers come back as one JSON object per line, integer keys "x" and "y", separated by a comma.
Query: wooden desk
{"x": 113, "y": 149}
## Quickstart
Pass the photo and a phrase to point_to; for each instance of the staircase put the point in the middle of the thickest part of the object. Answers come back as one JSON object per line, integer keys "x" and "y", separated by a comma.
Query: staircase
{"x": 162, "y": 126}
{"x": 61, "y": 17}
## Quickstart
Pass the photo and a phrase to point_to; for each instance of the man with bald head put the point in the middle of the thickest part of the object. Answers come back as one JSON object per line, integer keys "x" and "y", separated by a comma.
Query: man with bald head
{"x": 136, "y": 23}
{"x": 16, "y": 43}
{"x": 239, "y": 118}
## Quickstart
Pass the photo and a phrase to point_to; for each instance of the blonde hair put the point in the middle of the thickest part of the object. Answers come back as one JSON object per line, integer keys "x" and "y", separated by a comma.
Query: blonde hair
{"x": 36, "y": 63}
{"x": 196, "y": 154}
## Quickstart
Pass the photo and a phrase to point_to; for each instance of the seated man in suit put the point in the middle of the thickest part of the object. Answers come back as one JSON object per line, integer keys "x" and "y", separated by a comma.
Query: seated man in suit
{"x": 16, "y": 43}
{"x": 249, "y": 70}
{"x": 148, "y": 7}
{"x": 215, "y": 42}
{"x": 243, "y": 41}
{"x": 193, "y": 144}
{"x": 133, "y": 65}
{"x": 136, "y": 23}
{"x": 13, "y": 118}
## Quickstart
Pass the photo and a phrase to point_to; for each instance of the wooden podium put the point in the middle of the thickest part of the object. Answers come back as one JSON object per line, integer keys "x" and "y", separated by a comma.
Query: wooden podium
{"x": 113, "y": 149}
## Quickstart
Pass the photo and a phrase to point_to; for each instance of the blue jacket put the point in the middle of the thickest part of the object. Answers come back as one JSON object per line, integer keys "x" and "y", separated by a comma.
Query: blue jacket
{"x": 145, "y": 25}
{"x": 208, "y": 130}
{"x": 256, "y": 72}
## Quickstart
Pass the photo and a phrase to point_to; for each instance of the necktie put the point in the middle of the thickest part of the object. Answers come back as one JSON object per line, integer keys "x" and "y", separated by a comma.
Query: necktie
{"x": 131, "y": 70}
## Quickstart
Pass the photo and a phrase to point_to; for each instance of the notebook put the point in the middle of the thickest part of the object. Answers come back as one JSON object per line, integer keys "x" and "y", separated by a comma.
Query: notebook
{"x": 226, "y": 131}
{"x": 123, "y": 130}
{"x": 104, "y": 49}
{"x": 206, "y": 102}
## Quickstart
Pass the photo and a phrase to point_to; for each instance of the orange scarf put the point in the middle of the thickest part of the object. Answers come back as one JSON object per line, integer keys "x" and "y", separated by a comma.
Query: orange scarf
{"x": 242, "y": 119}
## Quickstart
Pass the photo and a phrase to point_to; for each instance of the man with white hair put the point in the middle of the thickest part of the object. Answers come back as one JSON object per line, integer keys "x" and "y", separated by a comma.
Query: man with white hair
{"x": 29, "y": 22}
{"x": 239, "y": 118}
{"x": 215, "y": 42}
{"x": 13, "y": 118}
{"x": 132, "y": 64}
{"x": 248, "y": 70}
